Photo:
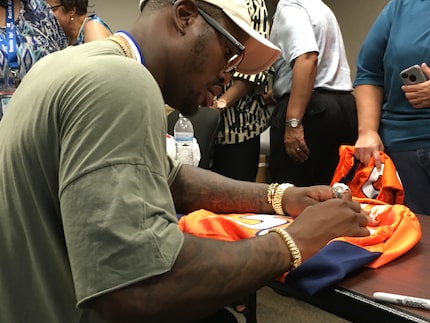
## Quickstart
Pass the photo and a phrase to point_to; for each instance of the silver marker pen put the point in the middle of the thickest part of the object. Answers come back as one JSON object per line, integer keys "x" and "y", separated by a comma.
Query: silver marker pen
{"x": 403, "y": 300}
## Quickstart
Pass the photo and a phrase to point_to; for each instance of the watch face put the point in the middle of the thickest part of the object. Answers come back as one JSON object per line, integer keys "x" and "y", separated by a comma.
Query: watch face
{"x": 293, "y": 123}
{"x": 221, "y": 104}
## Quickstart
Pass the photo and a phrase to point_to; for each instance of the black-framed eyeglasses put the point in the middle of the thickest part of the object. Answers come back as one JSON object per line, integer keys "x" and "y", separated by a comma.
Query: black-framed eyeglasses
{"x": 234, "y": 61}
{"x": 56, "y": 6}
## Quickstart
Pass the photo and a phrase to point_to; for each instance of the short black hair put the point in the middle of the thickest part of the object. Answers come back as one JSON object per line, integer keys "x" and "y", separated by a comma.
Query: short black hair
{"x": 154, "y": 5}
{"x": 80, "y": 5}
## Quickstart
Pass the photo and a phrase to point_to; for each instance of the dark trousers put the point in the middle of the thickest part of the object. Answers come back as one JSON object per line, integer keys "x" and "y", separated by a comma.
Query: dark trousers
{"x": 238, "y": 161}
{"x": 222, "y": 316}
{"x": 330, "y": 120}
{"x": 414, "y": 170}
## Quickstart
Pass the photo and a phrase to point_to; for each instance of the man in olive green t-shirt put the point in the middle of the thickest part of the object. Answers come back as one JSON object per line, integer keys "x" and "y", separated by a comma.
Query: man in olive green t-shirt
{"x": 88, "y": 197}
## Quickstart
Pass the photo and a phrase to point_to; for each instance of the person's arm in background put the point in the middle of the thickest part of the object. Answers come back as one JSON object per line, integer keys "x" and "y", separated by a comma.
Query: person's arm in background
{"x": 304, "y": 73}
{"x": 293, "y": 32}
{"x": 369, "y": 88}
{"x": 238, "y": 89}
{"x": 96, "y": 29}
{"x": 369, "y": 101}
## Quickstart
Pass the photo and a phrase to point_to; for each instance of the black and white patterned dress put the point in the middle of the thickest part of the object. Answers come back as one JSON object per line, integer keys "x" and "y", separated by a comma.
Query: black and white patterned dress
{"x": 249, "y": 117}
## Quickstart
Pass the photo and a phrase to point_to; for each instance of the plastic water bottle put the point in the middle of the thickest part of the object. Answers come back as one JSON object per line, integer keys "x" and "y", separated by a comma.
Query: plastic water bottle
{"x": 184, "y": 134}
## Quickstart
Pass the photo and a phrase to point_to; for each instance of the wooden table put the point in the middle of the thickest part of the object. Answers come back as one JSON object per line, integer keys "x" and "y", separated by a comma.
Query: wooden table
{"x": 352, "y": 298}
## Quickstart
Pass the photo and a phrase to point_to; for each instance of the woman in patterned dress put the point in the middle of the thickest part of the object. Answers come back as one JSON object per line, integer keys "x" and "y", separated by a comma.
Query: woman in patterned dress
{"x": 244, "y": 114}
{"x": 78, "y": 26}
{"x": 37, "y": 34}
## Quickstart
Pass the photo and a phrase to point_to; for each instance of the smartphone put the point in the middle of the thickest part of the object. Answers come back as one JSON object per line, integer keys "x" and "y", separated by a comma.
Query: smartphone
{"x": 412, "y": 75}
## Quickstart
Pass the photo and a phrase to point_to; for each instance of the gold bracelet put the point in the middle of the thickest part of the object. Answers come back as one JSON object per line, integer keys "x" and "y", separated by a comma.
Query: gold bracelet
{"x": 277, "y": 198}
{"x": 271, "y": 192}
{"x": 296, "y": 257}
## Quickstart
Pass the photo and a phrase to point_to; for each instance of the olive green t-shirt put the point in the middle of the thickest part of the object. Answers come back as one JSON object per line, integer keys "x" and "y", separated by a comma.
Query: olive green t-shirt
{"x": 85, "y": 205}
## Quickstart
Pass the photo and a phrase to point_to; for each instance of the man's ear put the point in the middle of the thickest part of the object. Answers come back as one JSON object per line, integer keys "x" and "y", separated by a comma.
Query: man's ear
{"x": 185, "y": 13}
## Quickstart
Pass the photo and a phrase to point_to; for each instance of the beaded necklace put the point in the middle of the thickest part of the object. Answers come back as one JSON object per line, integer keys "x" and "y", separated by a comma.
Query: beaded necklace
{"x": 123, "y": 44}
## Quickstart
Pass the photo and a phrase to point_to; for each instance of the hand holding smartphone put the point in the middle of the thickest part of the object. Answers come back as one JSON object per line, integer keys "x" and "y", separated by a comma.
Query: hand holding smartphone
{"x": 412, "y": 75}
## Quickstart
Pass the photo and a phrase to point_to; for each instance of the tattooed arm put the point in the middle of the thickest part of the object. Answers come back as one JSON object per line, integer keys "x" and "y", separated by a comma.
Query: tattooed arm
{"x": 196, "y": 188}
{"x": 209, "y": 274}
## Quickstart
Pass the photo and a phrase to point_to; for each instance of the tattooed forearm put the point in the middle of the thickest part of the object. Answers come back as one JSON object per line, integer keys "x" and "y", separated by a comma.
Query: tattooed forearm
{"x": 207, "y": 275}
{"x": 211, "y": 191}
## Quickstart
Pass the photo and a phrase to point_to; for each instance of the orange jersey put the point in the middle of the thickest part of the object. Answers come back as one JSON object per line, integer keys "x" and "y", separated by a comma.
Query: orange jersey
{"x": 366, "y": 180}
{"x": 379, "y": 192}
{"x": 398, "y": 231}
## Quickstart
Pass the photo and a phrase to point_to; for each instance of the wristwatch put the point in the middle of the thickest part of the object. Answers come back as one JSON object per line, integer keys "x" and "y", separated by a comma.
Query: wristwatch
{"x": 293, "y": 123}
{"x": 221, "y": 104}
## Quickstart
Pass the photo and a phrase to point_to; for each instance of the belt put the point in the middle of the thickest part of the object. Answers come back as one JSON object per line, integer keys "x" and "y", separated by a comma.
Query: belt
{"x": 323, "y": 90}
{"x": 317, "y": 90}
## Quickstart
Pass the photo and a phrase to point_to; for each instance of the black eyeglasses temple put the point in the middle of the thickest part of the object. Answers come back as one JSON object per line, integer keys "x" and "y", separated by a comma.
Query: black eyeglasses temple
{"x": 211, "y": 21}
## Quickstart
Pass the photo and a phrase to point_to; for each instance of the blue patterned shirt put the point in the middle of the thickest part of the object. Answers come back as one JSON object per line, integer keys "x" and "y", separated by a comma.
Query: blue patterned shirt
{"x": 81, "y": 35}
{"x": 37, "y": 34}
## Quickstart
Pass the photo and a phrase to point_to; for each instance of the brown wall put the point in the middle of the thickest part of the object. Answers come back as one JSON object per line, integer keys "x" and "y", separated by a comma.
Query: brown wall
{"x": 355, "y": 18}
